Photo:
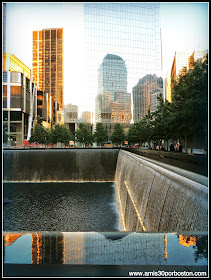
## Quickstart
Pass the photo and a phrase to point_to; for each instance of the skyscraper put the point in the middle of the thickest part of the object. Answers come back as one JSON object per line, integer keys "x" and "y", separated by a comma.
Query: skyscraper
{"x": 145, "y": 94}
{"x": 112, "y": 104}
{"x": 128, "y": 30}
{"x": 47, "y": 64}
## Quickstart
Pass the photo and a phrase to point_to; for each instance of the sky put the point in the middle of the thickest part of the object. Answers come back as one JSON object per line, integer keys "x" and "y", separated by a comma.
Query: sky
{"x": 184, "y": 26}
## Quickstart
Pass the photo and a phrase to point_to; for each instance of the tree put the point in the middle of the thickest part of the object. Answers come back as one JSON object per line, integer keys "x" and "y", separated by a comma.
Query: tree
{"x": 147, "y": 127}
{"x": 60, "y": 134}
{"x": 100, "y": 134}
{"x": 189, "y": 102}
{"x": 83, "y": 135}
{"x": 39, "y": 134}
{"x": 133, "y": 135}
{"x": 118, "y": 135}
{"x": 162, "y": 128}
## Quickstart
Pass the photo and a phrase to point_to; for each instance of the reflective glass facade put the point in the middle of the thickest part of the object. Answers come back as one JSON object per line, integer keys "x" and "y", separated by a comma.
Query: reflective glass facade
{"x": 130, "y": 31}
{"x": 112, "y": 103}
{"x": 145, "y": 95}
{"x": 47, "y": 64}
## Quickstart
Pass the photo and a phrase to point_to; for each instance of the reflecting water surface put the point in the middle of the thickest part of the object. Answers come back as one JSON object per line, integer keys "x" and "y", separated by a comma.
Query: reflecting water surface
{"x": 60, "y": 207}
{"x": 115, "y": 248}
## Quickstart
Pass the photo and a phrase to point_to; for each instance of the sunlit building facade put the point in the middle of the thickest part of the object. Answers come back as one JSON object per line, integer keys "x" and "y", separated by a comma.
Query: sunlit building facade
{"x": 87, "y": 117}
{"x": 168, "y": 87}
{"x": 184, "y": 61}
{"x": 12, "y": 63}
{"x": 71, "y": 116}
{"x": 47, "y": 64}
{"x": 19, "y": 101}
{"x": 130, "y": 31}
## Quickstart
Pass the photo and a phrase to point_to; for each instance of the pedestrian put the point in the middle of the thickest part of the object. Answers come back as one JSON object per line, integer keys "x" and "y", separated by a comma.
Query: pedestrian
{"x": 172, "y": 147}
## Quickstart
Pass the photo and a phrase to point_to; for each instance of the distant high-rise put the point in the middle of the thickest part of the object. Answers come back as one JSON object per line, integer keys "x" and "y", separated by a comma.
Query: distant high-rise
{"x": 145, "y": 94}
{"x": 47, "y": 64}
{"x": 112, "y": 103}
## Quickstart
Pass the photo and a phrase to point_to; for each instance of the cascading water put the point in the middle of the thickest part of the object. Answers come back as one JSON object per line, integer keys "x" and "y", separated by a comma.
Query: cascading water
{"x": 149, "y": 197}
{"x": 60, "y": 190}
{"x": 152, "y": 198}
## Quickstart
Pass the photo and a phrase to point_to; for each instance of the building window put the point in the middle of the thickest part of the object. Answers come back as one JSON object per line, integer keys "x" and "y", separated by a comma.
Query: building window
{"x": 4, "y": 96}
{"x": 5, "y": 115}
{"x": 15, "y": 77}
{"x": 12, "y": 127}
{"x": 15, "y": 116}
{"x": 15, "y": 101}
{"x": 5, "y": 127}
{"x": 15, "y": 91}
{"x": 4, "y": 77}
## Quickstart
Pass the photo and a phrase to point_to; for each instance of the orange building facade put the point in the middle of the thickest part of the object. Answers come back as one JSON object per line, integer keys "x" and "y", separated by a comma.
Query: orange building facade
{"x": 47, "y": 62}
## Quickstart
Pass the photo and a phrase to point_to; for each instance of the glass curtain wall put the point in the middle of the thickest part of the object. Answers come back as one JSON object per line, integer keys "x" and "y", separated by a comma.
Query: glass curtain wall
{"x": 130, "y": 31}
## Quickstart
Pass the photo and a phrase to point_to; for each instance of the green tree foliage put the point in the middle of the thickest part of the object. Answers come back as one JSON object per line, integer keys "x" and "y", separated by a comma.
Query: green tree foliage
{"x": 189, "y": 102}
{"x": 83, "y": 135}
{"x": 147, "y": 127}
{"x": 118, "y": 135}
{"x": 39, "y": 134}
{"x": 100, "y": 134}
{"x": 141, "y": 131}
{"x": 185, "y": 117}
{"x": 60, "y": 134}
{"x": 134, "y": 133}
{"x": 162, "y": 121}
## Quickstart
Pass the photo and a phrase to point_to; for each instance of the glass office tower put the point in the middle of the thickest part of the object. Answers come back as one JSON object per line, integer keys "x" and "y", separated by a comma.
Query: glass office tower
{"x": 47, "y": 64}
{"x": 130, "y": 31}
{"x": 113, "y": 103}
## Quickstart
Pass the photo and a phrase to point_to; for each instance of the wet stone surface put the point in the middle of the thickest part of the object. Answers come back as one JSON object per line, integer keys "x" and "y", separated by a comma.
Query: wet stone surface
{"x": 60, "y": 207}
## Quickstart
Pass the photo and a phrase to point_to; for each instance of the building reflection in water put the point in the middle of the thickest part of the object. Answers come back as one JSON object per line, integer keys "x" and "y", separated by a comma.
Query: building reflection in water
{"x": 186, "y": 240}
{"x": 199, "y": 243}
{"x": 47, "y": 248}
{"x": 120, "y": 248}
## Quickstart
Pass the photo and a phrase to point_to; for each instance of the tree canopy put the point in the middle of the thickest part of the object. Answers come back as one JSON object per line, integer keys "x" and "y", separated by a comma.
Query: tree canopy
{"x": 60, "y": 134}
{"x": 100, "y": 134}
{"x": 39, "y": 134}
{"x": 118, "y": 135}
{"x": 83, "y": 135}
{"x": 185, "y": 117}
{"x": 190, "y": 101}
{"x": 43, "y": 135}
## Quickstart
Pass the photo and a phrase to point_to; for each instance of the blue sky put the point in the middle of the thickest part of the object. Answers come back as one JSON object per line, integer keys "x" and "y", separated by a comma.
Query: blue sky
{"x": 184, "y": 27}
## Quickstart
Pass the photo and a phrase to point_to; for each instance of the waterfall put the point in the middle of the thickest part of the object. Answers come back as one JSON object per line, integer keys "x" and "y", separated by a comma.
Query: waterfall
{"x": 73, "y": 165}
{"x": 151, "y": 198}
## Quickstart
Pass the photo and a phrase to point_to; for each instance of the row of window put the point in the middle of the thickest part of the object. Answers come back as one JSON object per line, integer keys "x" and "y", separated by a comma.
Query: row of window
{"x": 15, "y": 77}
